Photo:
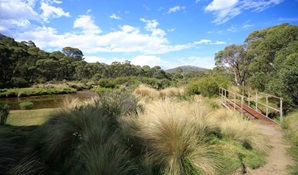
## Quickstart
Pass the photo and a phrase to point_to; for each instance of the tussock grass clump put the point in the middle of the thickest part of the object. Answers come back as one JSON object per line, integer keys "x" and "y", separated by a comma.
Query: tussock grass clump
{"x": 171, "y": 92}
{"x": 245, "y": 132}
{"x": 174, "y": 139}
{"x": 146, "y": 92}
{"x": 86, "y": 138}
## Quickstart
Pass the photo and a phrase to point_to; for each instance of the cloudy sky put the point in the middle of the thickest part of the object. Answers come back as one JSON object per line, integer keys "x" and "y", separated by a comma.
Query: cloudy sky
{"x": 167, "y": 33}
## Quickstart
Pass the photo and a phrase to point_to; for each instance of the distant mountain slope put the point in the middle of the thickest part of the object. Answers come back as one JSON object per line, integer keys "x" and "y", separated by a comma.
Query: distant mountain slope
{"x": 2, "y": 36}
{"x": 185, "y": 69}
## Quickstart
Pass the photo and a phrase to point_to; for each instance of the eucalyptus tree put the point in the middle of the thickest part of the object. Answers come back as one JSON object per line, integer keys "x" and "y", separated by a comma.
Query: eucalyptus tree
{"x": 237, "y": 59}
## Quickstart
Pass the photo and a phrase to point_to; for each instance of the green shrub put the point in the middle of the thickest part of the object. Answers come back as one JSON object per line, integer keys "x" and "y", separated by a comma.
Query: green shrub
{"x": 19, "y": 82}
{"x": 26, "y": 105}
{"x": 106, "y": 83}
{"x": 4, "y": 113}
{"x": 207, "y": 86}
{"x": 192, "y": 88}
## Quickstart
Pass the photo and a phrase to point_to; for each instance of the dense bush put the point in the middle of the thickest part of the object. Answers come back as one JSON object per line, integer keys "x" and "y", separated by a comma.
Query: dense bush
{"x": 4, "y": 113}
{"x": 106, "y": 83}
{"x": 26, "y": 105}
{"x": 19, "y": 82}
{"x": 207, "y": 86}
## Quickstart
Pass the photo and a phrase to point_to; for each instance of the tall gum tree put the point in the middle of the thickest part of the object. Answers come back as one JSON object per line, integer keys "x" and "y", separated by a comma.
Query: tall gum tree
{"x": 237, "y": 59}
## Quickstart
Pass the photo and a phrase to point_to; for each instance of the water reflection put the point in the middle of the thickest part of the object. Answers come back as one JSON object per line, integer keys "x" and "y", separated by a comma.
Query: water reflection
{"x": 46, "y": 101}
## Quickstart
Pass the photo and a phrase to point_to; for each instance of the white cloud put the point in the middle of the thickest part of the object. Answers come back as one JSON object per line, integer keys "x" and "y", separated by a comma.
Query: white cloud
{"x": 88, "y": 11}
{"x": 175, "y": 9}
{"x": 94, "y": 59}
{"x": 149, "y": 60}
{"x": 89, "y": 38}
{"x": 87, "y": 24}
{"x": 247, "y": 26}
{"x": 151, "y": 26}
{"x": 204, "y": 62}
{"x": 219, "y": 42}
{"x": 203, "y": 41}
{"x": 224, "y": 10}
{"x": 52, "y": 12}
{"x": 17, "y": 10}
{"x": 114, "y": 16}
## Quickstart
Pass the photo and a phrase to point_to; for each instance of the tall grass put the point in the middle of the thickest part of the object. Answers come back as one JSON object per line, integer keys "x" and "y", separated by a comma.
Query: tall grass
{"x": 173, "y": 140}
{"x": 113, "y": 135}
{"x": 291, "y": 125}
{"x": 86, "y": 138}
{"x": 146, "y": 92}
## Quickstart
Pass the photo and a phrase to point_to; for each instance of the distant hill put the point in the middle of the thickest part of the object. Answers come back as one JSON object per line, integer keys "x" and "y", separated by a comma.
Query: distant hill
{"x": 2, "y": 36}
{"x": 185, "y": 69}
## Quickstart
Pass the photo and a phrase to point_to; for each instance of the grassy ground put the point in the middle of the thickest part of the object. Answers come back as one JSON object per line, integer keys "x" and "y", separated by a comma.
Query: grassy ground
{"x": 291, "y": 126}
{"x": 29, "y": 117}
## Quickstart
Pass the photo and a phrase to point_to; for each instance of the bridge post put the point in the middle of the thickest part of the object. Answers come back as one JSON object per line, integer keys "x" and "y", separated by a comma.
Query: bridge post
{"x": 266, "y": 105}
{"x": 225, "y": 96}
{"x": 242, "y": 99}
{"x": 248, "y": 99}
{"x": 234, "y": 101}
{"x": 280, "y": 111}
{"x": 256, "y": 101}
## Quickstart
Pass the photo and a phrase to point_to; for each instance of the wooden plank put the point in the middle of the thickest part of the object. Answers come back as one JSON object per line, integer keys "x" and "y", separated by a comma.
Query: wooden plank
{"x": 250, "y": 113}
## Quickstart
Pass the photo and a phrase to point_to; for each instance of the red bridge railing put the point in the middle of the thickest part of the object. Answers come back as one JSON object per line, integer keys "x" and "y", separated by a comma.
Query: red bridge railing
{"x": 250, "y": 103}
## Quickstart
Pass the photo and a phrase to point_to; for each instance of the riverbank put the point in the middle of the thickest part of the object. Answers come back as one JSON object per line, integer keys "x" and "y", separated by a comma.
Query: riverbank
{"x": 25, "y": 92}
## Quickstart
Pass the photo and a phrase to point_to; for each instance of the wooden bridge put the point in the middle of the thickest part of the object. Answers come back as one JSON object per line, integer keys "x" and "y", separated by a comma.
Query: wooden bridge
{"x": 249, "y": 104}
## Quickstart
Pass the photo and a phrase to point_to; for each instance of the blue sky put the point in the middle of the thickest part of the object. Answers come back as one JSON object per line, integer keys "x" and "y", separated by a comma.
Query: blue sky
{"x": 167, "y": 33}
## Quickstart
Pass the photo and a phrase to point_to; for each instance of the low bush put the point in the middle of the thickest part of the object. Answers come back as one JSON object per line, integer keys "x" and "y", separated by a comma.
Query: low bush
{"x": 106, "y": 83}
{"x": 207, "y": 86}
{"x": 26, "y": 105}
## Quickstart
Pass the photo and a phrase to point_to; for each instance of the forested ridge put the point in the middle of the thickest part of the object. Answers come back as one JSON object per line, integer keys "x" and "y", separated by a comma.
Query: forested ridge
{"x": 22, "y": 64}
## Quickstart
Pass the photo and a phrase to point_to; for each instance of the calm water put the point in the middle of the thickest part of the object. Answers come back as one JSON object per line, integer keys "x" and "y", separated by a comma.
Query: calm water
{"x": 46, "y": 101}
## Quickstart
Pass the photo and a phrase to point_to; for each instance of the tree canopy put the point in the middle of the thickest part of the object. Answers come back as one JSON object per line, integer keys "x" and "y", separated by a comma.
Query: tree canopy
{"x": 22, "y": 64}
{"x": 267, "y": 61}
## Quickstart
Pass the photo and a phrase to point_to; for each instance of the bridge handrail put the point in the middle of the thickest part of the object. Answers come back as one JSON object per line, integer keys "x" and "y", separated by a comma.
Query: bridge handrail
{"x": 224, "y": 93}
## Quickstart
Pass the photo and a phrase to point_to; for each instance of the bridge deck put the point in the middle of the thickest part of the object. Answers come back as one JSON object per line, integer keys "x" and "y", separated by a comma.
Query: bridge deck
{"x": 249, "y": 112}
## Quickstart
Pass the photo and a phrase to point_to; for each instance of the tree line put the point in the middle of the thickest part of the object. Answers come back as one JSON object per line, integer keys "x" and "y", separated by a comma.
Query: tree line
{"x": 23, "y": 64}
{"x": 266, "y": 61}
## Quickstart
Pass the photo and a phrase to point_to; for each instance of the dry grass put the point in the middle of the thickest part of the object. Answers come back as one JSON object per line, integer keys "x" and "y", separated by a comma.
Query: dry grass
{"x": 149, "y": 93}
{"x": 171, "y": 92}
{"x": 173, "y": 134}
{"x": 234, "y": 127}
{"x": 145, "y": 92}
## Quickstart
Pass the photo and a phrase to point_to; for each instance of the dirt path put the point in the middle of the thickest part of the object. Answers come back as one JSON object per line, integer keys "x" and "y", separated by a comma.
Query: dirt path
{"x": 278, "y": 159}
